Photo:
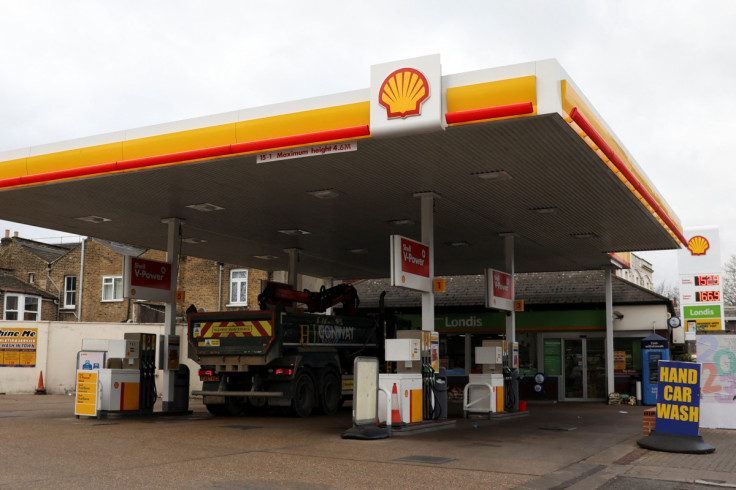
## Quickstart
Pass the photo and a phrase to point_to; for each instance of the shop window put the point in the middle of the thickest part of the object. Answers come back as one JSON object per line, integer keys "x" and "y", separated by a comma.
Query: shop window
{"x": 112, "y": 288}
{"x": 452, "y": 353}
{"x": 239, "y": 287}
{"x": 527, "y": 352}
{"x": 626, "y": 356}
{"x": 22, "y": 307}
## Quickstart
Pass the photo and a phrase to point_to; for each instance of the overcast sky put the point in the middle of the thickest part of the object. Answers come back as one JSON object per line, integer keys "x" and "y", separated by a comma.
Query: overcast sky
{"x": 662, "y": 74}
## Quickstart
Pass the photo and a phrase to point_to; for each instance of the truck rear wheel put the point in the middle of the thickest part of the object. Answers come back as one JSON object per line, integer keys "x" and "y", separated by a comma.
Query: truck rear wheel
{"x": 303, "y": 400}
{"x": 330, "y": 393}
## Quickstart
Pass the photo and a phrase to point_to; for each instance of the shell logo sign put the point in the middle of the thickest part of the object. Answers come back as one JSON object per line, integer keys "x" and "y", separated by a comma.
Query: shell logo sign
{"x": 698, "y": 245}
{"x": 403, "y": 92}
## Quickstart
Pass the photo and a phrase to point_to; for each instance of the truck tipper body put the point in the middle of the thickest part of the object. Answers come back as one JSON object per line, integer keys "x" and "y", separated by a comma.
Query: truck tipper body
{"x": 303, "y": 362}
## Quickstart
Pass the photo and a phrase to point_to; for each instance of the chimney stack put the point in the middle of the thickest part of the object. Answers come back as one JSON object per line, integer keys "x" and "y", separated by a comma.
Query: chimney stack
{"x": 7, "y": 233}
{"x": 15, "y": 234}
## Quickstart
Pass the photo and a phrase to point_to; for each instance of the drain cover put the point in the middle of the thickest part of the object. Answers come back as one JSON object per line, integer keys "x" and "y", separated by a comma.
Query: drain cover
{"x": 241, "y": 427}
{"x": 425, "y": 459}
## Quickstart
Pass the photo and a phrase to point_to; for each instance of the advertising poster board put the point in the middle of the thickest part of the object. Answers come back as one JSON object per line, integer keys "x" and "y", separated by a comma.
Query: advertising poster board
{"x": 717, "y": 357}
{"x": 87, "y": 396}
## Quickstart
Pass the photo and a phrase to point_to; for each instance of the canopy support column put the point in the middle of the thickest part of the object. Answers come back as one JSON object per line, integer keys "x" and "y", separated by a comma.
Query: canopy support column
{"x": 508, "y": 248}
{"x": 512, "y": 385}
{"x": 427, "y": 209}
{"x": 293, "y": 261}
{"x": 609, "y": 331}
{"x": 173, "y": 242}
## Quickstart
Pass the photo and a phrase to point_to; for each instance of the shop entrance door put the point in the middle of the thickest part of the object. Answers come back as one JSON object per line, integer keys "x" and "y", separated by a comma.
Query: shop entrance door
{"x": 584, "y": 369}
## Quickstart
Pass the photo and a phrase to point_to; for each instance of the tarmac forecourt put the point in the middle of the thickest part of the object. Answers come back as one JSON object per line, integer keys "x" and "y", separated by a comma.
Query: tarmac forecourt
{"x": 563, "y": 445}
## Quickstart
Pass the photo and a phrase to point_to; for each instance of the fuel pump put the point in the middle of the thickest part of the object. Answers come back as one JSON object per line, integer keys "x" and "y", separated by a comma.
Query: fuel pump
{"x": 146, "y": 366}
{"x": 511, "y": 376}
{"x": 405, "y": 386}
{"x": 485, "y": 392}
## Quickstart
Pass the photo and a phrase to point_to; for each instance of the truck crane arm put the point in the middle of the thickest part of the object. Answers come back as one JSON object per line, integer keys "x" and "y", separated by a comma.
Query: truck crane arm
{"x": 317, "y": 302}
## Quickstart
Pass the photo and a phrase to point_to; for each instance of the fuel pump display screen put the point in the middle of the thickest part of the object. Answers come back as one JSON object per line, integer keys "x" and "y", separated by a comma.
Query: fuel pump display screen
{"x": 707, "y": 296}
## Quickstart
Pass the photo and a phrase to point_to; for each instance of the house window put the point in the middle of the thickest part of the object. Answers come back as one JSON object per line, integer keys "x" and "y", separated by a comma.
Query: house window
{"x": 239, "y": 287}
{"x": 70, "y": 292}
{"x": 112, "y": 288}
{"x": 31, "y": 277}
{"x": 22, "y": 307}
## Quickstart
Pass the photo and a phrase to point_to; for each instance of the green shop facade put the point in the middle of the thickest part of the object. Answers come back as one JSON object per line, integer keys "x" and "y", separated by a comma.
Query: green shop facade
{"x": 560, "y": 332}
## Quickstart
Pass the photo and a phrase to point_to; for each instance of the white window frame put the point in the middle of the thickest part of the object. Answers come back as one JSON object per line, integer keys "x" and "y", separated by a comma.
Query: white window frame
{"x": 21, "y": 309}
{"x": 238, "y": 282}
{"x": 114, "y": 282}
{"x": 66, "y": 304}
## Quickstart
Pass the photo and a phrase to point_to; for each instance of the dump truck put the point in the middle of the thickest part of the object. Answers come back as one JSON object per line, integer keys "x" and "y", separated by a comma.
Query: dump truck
{"x": 254, "y": 360}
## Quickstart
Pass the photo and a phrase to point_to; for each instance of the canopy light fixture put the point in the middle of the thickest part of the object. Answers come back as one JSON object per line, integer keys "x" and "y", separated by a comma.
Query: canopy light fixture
{"x": 494, "y": 175}
{"x": 93, "y": 219}
{"x": 584, "y": 236}
{"x": 458, "y": 244}
{"x": 265, "y": 257}
{"x": 295, "y": 232}
{"x": 545, "y": 210}
{"x": 358, "y": 251}
{"x": 205, "y": 207}
{"x": 401, "y": 222}
{"x": 194, "y": 241}
{"x": 324, "y": 193}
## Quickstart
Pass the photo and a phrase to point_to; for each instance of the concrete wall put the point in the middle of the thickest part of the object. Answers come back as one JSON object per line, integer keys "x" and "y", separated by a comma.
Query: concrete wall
{"x": 646, "y": 317}
{"x": 56, "y": 354}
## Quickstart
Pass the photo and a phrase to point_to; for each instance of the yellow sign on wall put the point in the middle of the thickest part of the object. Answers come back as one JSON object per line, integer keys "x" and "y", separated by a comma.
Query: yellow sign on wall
{"x": 18, "y": 347}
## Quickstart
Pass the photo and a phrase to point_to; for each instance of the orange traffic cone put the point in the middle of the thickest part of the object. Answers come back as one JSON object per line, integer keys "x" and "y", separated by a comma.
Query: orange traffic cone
{"x": 395, "y": 407}
{"x": 40, "y": 390}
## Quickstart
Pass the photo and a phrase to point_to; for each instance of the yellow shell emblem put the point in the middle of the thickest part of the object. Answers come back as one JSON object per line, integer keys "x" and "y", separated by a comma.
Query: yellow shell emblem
{"x": 403, "y": 92}
{"x": 698, "y": 245}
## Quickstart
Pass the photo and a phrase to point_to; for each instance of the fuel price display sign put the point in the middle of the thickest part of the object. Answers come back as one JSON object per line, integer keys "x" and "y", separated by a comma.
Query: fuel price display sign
{"x": 701, "y": 294}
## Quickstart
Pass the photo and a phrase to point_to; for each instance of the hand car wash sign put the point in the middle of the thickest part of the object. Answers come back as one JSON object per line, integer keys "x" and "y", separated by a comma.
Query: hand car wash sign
{"x": 147, "y": 279}
{"x": 678, "y": 398}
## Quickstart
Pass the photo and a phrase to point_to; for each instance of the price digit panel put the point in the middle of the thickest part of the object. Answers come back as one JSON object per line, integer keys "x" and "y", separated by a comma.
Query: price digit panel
{"x": 707, "y": 296}
{"x": 708, "y": 280}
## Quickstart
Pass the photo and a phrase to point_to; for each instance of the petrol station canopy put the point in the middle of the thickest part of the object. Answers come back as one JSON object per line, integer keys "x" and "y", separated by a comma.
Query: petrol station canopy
{"x": 510, "y": 150}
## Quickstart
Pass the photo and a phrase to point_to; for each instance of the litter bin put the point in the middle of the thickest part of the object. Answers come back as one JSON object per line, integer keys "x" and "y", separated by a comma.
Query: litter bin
{"x": 181, "y": 388}
{"x": 440, "y": 394}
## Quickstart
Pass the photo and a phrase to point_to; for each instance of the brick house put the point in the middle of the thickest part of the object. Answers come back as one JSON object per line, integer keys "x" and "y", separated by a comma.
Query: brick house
{"x": 84, "y": 282}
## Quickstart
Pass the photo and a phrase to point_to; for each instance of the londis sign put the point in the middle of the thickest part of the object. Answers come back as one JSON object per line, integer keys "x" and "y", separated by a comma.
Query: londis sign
{"x": 678, "y": 398}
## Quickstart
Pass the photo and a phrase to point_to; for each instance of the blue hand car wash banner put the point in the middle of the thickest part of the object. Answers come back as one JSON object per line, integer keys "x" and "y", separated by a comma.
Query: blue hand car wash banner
{"x": 678, "y": 398}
